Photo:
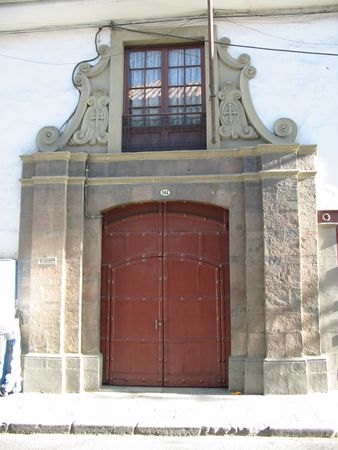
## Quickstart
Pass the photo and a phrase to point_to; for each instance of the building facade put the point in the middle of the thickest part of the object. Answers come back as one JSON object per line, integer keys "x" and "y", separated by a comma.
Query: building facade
{"x": 168, "y": 236}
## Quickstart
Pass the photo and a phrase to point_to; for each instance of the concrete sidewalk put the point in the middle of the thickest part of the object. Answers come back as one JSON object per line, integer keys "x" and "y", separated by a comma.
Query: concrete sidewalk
{"x": 180, "y": 412}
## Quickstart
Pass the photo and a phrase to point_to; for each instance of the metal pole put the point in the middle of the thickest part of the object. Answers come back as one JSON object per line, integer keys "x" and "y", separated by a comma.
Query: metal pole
{"x": 211, "y": 47}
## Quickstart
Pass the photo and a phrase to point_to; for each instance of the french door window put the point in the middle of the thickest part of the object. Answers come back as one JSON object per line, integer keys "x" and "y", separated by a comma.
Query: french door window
{"x": 164, "y": 107}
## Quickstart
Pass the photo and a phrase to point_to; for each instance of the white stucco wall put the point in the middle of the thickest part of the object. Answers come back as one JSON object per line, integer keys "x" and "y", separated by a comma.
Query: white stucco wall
{"x": 302, "y": 87}
{"x": 32, "y": 95}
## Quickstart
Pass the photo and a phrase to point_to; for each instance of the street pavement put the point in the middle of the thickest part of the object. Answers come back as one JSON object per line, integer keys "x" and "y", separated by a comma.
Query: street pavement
{"x": 171, "y": 412}
{"x": 131, "y": 442}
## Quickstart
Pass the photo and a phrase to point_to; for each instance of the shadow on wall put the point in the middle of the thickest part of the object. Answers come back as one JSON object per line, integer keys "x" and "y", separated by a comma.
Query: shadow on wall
{"x": 329, "y": 280}
{"x": 329, "y": 309}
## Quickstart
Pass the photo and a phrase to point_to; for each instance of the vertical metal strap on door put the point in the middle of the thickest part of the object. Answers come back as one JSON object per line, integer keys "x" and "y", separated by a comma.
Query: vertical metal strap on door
{"x": 162, "y": 290}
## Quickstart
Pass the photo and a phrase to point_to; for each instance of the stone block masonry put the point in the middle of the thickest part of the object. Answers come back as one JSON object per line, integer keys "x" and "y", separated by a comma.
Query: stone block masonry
{"x": 269, "y": 191}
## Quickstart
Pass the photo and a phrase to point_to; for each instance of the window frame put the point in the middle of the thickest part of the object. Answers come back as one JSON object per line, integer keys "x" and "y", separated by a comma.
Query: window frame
{"x": 164, "y": 101}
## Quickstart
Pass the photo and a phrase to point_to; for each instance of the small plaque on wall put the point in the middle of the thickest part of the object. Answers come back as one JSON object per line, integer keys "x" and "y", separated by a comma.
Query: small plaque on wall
{"x": 47, "y": 260}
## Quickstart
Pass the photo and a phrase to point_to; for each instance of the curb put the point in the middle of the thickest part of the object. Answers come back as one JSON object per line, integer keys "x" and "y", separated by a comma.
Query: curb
{"x": 77, "y": 428}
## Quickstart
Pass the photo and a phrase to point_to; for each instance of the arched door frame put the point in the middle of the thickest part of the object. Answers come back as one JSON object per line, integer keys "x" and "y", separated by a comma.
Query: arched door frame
{"x": 210, "y": 241}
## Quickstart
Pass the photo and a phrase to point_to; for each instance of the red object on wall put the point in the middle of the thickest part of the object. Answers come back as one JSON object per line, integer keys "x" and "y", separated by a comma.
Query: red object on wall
{"x": 165, "y": 309}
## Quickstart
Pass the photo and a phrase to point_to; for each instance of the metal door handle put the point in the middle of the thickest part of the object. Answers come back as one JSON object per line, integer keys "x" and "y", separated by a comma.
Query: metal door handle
{"x": 158, "y": 323}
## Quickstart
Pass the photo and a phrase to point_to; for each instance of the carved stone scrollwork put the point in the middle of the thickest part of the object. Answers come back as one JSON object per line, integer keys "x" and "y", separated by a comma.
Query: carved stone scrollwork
{"x": 235, "y": 97}
{"x": 95, "y": 121}
{"x": 232, "y": 116}
{"x": 47, "y": 139}
{"x": 89, "y": 123}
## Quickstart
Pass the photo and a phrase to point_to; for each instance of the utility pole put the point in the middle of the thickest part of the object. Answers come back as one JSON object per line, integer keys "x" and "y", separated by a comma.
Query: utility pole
{"x": 211, "y": 47}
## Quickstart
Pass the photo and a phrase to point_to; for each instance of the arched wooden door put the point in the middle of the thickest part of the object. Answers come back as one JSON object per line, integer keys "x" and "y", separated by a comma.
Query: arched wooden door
{"x": 165, "y": 314}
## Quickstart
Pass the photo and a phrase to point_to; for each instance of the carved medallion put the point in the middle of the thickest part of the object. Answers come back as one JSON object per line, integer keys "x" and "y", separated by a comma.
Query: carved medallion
{"x": 234, "y": 123}
{"x": 95, "y": 121}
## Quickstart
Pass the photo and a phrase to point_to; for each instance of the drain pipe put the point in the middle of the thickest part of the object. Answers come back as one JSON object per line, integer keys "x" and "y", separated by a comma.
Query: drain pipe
{"x": 85, "y": 195}
{"x": 211, "y": 47}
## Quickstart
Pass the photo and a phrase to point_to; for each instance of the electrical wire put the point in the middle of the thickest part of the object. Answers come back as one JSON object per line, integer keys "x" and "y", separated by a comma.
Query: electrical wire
{"x": 279, "y": 37}
{"x": 16, "y": 58}
{"x": 271, "y": 49}
{"x": 171, "y": 35}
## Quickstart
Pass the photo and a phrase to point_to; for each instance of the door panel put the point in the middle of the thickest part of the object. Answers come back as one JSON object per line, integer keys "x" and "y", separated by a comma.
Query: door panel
{"x": 165, "y": 295}
{"x": 135, "y": 344}
{"x": 191, "y": 324}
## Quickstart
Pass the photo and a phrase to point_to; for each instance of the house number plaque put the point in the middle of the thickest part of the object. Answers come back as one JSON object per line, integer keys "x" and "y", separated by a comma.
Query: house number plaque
{"x": 165, "y": 192}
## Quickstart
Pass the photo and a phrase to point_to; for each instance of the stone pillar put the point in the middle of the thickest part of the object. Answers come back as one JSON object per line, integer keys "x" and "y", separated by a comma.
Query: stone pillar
{"x": 288, "y": 368}
{"x": 24, "y": 257}
{"x": 253, "y": 369}
{"x": 91, "y": 301}
{"x": 47, "y": 300}
{"x": 51, "y": 264}
{"x": 237, "y": 288}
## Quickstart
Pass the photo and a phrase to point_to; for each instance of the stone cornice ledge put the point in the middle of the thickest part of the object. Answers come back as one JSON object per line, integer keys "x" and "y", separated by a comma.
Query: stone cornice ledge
{"x": 169, "y": 155}
{"x": 281, "y": 173}
{"x": 217, "y": 178}
{"x": 52, "y": 180}
{"x": 291, "y": 359}
{"x": 54, "y": 156}
{"x": 199, "y": 154}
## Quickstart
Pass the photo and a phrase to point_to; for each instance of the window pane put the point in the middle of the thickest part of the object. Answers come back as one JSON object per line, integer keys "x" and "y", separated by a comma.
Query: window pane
{"x": 193, "y": 119}
{"x": 153, "y": 77}
{"x": 176, "y": 96}
{"x": 151, "y": 110}
{"x": 153, "y": 118}
{"x": 154, "y": 58}
{"x": 176, "y": 109}
{"x": 136, "y": 60}
{"x": 136, "y": 78}
{"x": 193, "y": 75}
{"x": 192, "y": 57}
{"x": 153, "y": 97}
{"x": 176, "y": 57}
{"x": 137, "y": 119}
{"x": 137, "y": 111}
{"x": 176, "y": 77}
{"x": 176, "y": 119}
{"x": 193, "y": 109}
{"x": 193, "y": 95}
{"x": 136, "y": 98}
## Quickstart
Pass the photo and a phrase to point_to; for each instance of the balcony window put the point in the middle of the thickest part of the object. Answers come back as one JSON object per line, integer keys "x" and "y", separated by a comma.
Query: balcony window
{"x": 164, "y": 107}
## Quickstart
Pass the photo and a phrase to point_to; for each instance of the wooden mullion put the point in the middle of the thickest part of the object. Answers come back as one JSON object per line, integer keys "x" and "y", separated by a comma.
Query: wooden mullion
{"x": 164, "y": 80}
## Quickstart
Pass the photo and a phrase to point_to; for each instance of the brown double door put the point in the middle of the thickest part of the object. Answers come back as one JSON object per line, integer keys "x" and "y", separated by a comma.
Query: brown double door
{"x": 165, "y": 295}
